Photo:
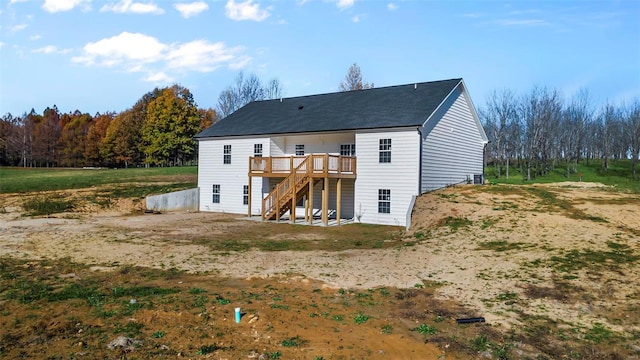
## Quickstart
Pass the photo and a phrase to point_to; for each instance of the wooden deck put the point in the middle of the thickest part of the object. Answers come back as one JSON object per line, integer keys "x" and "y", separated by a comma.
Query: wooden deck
{"x": 299, "y": 174}
{"x": 321, "y": 166}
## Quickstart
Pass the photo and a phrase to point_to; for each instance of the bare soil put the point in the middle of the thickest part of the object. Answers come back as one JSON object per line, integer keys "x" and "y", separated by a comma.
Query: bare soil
{"x": 554, "y": 269}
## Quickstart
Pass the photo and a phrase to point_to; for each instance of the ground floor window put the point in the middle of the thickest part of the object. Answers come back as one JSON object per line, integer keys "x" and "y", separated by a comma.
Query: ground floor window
{"x": 245, "y": 195}
{"x": 384, "y": 201}
{"x": 215, "y": 198}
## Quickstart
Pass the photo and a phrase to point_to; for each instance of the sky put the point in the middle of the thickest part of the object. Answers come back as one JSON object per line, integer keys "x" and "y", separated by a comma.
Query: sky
{"x": 104, "y": 55}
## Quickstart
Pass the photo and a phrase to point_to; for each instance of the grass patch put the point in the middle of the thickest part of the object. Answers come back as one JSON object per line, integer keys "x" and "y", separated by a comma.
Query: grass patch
{"x": 293, "y": 341}
{"x": 47, "y": 205}
{"x": 574, "y": 260}
{"x": 503, "y": 245}
{"x": 425, "y": 329}
{"x": 618, "y": 175}
{"x": 19, "y": 180}
{"x": 456, "y": 223}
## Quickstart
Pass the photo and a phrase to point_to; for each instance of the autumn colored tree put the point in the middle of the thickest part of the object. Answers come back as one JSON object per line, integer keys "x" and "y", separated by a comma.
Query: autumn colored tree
{"x": 96, "y": 133}
{"x": 353, "y": 80}
{"x": 171, "y": 123}
{"x": 207, "y": 117}
{"x": 75, "y": 127}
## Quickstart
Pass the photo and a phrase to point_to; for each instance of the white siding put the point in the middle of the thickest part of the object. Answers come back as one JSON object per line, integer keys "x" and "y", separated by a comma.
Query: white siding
{"x": 400, "y": 176}
{"x": 453, "y": 148}
{"x": 347, "y": 211}
{"x": 231, "y": 177}
{"x": 318, "y": 143}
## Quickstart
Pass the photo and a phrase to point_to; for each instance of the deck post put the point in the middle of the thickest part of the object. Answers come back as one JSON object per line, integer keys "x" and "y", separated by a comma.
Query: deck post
{"x": 325, "y": 201}
{"x": 306, "y": 208}
{"x": 338, "y": 199}
{"x": 249, "y": 203}
{"x": 311, "y": 202}
{"x": 292, "y": 212}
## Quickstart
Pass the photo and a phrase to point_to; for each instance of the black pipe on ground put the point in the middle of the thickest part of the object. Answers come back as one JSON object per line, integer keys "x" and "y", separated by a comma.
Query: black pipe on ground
{"x": 470, "y": 320}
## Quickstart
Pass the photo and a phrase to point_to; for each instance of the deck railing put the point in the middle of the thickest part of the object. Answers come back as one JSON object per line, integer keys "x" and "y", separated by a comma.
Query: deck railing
{"x": 320, "y": 164}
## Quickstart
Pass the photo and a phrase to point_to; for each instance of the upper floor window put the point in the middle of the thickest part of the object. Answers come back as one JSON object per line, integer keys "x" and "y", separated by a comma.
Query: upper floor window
{"x": 348, "y": 149}
{"x": 257, "y": 150}
{"x": 300, "y": 150}
{"x": 226, "y": 158}
{"x": 385, "y": 151}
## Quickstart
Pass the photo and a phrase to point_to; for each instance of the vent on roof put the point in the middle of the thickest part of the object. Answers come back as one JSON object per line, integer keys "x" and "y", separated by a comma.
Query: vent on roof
{"x": 415, "y": 86}
{"x": 300, "y": 107}
{"x": 280, "y": 99}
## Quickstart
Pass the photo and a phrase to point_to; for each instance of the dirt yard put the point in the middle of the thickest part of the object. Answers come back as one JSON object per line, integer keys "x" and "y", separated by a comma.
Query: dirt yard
{"x": 554, "y": 269}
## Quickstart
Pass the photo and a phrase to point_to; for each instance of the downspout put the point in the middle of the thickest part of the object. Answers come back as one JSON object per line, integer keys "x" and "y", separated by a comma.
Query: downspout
{"x": 484, "y": 160}
{"x": 420, "y": 162}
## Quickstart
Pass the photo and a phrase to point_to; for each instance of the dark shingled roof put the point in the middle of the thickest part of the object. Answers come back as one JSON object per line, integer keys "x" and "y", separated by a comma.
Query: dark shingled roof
{"x": 393, "y": 106}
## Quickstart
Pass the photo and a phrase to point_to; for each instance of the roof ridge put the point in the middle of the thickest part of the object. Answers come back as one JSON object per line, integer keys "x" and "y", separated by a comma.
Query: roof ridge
{"x": 348, "y": 91}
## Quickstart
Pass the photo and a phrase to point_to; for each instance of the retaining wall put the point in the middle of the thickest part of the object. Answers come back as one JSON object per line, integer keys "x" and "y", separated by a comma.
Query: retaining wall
{"x": 185, "y": 200}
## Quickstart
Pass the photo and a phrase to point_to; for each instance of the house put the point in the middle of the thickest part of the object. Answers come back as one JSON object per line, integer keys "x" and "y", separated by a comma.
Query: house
{"x": 362, "y": 155}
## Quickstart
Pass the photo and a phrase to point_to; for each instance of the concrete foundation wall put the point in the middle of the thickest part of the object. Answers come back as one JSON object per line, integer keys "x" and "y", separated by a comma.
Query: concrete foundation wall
{"x": 185, "y": 200}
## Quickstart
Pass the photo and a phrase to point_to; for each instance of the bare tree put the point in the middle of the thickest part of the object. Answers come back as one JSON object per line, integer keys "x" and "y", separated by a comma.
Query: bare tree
{"x": 574, "y": 120}
{"x": 501, "y": 113}
{"x": 244, "y": 91}
{"x": 632, "y": 133}
{"x": 273, "y": 89}
{"x": 353, "y": 80}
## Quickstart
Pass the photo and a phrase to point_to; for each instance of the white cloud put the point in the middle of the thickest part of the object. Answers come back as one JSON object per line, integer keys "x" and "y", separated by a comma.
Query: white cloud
{"x": 16, "y": 1}
{"x": 124, "y": 48}
{"x": 356, "y": 19}
{"x": 245, "y": 11}
{"x": 392, "y": 6}
{"x": 129, "y": 6}
{"x": 18, "y": 27}
{"x": 190, "y": 9}
{"x": 54, "y": 6}
{"x": 50, "y": 49}
{"x": 1, "y": 44}
{"x": 344, "y": 4}
{"x": 159, "y": 78}
{"x": 35, "y": 37}
{"x": 135, "y": 52}
{"x": 200, "y": 55}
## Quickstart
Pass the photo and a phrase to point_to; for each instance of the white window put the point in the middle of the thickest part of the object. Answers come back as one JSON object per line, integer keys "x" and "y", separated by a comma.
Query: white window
{"x": 226, "y": 158}
{"x": 245, "y": 195}
{"x": 257, "y": 150}
{"x": 384, "y": 201}
{"x": 215, "y": 198}
{"x": 385, "y": 151}
{"x": 348, "y": 149}
{"x": 300, "y": 150}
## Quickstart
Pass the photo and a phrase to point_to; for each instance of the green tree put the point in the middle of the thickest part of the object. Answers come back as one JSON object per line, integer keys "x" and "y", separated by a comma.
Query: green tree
{"x": 171, "y": 123}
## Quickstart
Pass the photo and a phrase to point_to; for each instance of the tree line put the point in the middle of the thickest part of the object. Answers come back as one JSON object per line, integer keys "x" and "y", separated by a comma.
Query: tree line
{"x": 157, "y": 130}
{"x": 538, "y": 131}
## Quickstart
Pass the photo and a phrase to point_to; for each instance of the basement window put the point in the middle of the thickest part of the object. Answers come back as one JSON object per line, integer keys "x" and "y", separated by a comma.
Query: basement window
{"x": 384, "y": 201}
{"x": 385, "y": 151}
{"x": 226, "y": 157}
{"x": 300, "y": 150}
{"x": 245, "y": 194}
{"x": 215, "y": 197}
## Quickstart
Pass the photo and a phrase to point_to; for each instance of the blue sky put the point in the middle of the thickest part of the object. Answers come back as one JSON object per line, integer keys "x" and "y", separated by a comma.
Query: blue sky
{"x": 103, "y": 55}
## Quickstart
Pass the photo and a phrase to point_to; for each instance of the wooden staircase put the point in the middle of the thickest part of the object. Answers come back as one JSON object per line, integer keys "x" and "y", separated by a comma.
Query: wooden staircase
{"x": 287, "y": 193}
